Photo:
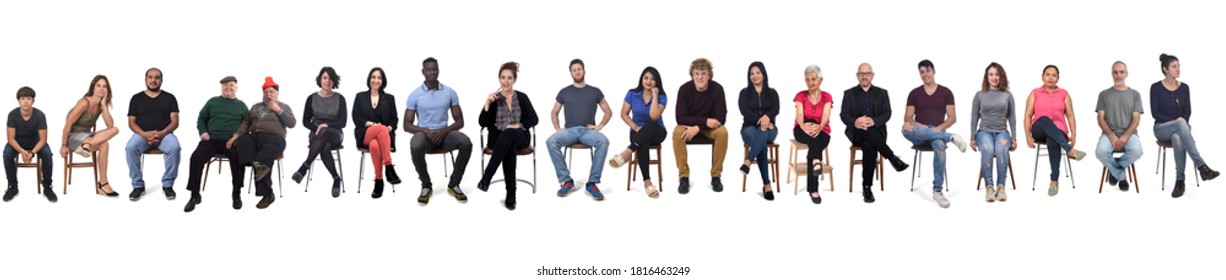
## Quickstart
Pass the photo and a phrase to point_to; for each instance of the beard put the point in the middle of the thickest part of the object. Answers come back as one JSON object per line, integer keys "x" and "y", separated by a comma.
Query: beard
{"x": 1119, "y": 83}
{"x": 579, "y": 80}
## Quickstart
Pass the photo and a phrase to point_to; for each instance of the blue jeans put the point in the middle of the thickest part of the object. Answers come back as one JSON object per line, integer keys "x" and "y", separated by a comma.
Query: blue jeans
{"x": 757, "y": 140}
{"x": 925, "y": 135}
{"x": 1043, "y": 129}
{"x": 1132, "y": 153}
{"x": 170, "y": 149}
{"x": 993, "y": 145}
{"x": 1179, "y": 133}
{"x": 576, "y": 135}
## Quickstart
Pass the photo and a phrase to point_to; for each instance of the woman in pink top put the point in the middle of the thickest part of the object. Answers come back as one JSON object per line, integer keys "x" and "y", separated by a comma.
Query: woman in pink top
{"x": 1049, "y": 115}
{"x": 813, "y": 125}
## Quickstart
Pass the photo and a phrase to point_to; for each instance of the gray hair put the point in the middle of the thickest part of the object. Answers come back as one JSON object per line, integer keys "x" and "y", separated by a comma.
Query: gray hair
{"x": 812, "y": 68}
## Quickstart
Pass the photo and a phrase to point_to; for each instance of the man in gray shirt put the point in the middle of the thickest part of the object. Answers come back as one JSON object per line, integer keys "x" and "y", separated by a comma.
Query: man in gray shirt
{"x": 580, "y": 100}
{"x": 1119, "y": 113}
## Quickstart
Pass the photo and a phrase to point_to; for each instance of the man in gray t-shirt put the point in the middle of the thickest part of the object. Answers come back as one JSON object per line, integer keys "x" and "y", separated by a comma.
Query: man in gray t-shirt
{"x": 1119, "y": 111}
{"x": 579, "y": 100}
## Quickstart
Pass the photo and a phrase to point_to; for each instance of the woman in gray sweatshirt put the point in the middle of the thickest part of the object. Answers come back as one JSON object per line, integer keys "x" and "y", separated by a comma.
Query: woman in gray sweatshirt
{"x": 991, "y": 111}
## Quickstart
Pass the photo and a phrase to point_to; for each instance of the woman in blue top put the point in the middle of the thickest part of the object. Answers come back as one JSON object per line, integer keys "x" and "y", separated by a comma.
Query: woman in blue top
{"x": 1172, "y": 110}
{"x": 646, "y": 102}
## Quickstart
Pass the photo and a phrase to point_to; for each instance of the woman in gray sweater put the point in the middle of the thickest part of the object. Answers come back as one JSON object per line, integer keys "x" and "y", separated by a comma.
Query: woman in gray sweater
{"x": 991, "y": 111}
{"x": 325, "y": 114}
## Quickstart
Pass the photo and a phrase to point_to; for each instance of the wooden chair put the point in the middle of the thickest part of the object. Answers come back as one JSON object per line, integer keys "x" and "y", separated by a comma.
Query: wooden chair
{"x": 632, "y": 165}
{"x": 1131, "y": 174}
{"x": 799, "y": 169}
{"x": 38, "y": 167}
{"x": 772, "y": 151}
{"x": 851, "y": 169}
{"x": 69, "y": 165}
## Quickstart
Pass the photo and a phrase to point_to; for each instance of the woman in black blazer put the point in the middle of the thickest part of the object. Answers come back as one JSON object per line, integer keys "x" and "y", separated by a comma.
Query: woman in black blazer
{"x": 374, "y": 127}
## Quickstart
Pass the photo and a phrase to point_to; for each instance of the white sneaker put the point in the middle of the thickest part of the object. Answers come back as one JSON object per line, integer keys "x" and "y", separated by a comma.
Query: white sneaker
{"x": 1000, "y": 193}
{"x": 939, "y": 197}
{"x": 991, "y": 193}
{"x": 957, "y": 139}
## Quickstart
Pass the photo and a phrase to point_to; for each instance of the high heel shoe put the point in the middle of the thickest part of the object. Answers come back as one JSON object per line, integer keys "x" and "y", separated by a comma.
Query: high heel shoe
{"x": 100, "y": 191}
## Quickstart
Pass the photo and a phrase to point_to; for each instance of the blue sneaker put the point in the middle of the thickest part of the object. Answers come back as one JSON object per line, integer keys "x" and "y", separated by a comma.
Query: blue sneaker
{"x": 566, "y": 188}
{"x": 594, "y": 191}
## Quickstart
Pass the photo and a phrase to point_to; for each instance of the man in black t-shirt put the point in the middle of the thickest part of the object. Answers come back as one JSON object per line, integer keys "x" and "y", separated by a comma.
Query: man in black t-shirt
{"x": 153, "y": 116}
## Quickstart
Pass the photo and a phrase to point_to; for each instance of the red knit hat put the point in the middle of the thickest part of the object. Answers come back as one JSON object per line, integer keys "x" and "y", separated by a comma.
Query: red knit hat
{"x": 269, "y": 83}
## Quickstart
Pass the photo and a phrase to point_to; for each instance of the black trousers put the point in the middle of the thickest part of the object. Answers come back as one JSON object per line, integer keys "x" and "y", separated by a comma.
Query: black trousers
{"x": 816, "y": 145}
{"x": 505, "y": 153}
{"x": 259, "y": 147}
{"x": 641, "y": 141}
{"x": 872, "y": 142}
{"x": 205, "y": 151}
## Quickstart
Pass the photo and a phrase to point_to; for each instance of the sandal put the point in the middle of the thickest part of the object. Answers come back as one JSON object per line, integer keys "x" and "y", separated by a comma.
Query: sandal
{"x": 818, "y": 166}
{"x": 617, "y": 161}
{"x": 113, "y": 193}
{"x": 651, "y": 191}
{"x": 82, "y": 151}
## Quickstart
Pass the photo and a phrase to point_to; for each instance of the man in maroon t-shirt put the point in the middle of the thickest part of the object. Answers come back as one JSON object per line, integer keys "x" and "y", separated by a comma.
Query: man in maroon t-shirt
{"x": 930, "y": 111}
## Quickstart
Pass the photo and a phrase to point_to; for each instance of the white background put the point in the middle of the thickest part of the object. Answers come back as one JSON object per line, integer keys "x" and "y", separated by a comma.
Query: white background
{"x": 56, "y": 48}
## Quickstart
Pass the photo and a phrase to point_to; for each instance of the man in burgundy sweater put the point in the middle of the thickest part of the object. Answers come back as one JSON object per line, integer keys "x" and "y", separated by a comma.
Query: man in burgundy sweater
{"x": 701, "y": 113}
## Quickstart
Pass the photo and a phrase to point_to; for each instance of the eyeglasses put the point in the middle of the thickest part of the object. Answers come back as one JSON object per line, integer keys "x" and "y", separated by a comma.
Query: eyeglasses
{"x": 864, "y": 74}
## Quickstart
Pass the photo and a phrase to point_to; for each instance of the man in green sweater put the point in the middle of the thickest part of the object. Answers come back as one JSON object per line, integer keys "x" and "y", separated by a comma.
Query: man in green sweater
{"x": 218, "y": 120}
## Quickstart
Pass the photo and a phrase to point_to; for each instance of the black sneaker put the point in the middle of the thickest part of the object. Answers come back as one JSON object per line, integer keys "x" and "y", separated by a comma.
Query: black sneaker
{"x": 424, "y": 197}
{"x": 716, "y": 184}
{"x": 898, "y": 164}
{"x": 238, "y": 201}
{"x": 868, "y": 195}
{"x": 483, "y": 186}
{"x": 1178, "y": 191}
{"x": 378, "y": 189}
{"x": 1206, "y": 173}
{"x": 457, "y": 193}
{"x": 1124, "y": 185}
{"x": 170, "y": 193}
{"x": 50, "y": 194}
{"x": 10, "y": 193}
{"x": 389, "y": 171}
{"x": 684, "y": 187}
{"x": 136, "y": 194}
{"x": 1112, "y": 180}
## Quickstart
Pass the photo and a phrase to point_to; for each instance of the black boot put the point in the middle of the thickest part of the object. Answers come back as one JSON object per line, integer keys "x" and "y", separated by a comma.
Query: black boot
{"x": 868, "y": 194}
{"x": 1178, "y": 191}
{"x": 389, "y": 171}
{"x": 1206, "y": 173}
{"x": 238, "y": 201}
{"x": 510, "y": 201}
{"x": 378, "y": 189}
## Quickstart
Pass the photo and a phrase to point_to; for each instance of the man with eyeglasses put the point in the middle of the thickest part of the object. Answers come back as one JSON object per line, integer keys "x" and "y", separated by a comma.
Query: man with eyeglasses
{"x": 865, "y": 111}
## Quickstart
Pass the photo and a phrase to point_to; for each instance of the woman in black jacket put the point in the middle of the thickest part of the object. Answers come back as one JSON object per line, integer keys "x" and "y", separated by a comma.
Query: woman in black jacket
{"x": 507, "y": 114}
{"x": 374, "y": 127}
{"x": 759, "y": 104}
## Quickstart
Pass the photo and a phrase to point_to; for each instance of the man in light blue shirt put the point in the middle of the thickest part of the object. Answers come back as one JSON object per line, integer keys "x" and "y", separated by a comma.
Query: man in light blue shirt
{"x": 431, "y": 103}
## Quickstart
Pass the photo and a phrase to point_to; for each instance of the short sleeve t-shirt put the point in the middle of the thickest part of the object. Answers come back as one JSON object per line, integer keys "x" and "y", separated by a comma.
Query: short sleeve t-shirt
{"x": 153, "y": 113}
{"x": 432, "y": 105}
{"x": 640, "y": 113}
{"x": 579, "y": 104}
{"x": 27, "y": 130}
{"x": 814, "y": 112}
{"x": 1118, "y": 107}
{"x": 930, "y": 109}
